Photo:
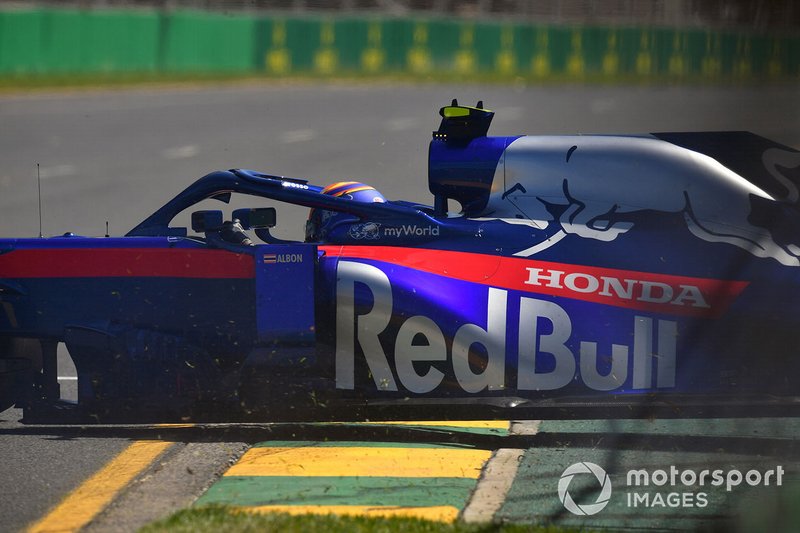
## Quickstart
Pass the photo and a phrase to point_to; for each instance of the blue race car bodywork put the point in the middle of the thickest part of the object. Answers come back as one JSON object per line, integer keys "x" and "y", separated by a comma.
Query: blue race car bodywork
{"x": 584, "y": 276}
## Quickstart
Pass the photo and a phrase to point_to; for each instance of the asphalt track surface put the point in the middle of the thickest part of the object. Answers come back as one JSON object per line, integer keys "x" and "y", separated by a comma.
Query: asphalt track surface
{"x": 115, "y": 156}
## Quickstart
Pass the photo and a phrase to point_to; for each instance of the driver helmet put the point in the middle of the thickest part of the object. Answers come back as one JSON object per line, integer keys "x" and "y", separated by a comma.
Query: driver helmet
{"x": 321, "y": 221}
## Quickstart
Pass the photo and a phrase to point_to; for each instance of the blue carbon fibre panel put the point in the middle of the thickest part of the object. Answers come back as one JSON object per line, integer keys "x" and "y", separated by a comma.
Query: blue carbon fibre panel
{"x": 465, "y": 172}
{"x": 285, "y": 292}
{"x": 204, "y": 310}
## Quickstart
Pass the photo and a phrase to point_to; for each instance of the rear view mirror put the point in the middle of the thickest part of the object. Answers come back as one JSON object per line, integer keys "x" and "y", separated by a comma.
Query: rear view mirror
{"x": 258, "y": 218}
{"x": 203, "y": 221}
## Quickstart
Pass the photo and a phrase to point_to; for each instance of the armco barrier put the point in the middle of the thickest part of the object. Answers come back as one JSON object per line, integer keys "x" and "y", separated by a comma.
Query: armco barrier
{"x": 56, "y": 41}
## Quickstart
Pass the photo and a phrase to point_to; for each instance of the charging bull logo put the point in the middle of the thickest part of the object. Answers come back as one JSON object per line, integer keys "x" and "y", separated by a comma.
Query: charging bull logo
{"x": 588, "y": 191}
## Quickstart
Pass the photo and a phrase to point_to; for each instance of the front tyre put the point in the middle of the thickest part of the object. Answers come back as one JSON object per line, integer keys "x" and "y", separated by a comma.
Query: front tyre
{"x": 20, "y": 360}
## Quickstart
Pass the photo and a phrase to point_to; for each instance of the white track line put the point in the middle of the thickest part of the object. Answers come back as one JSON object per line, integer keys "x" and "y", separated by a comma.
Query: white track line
{"x": 497, "y": 477}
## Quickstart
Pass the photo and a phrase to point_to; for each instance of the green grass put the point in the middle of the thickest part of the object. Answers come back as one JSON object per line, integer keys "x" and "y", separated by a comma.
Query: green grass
{"x": 31, "y": 82}
{"x": 219, "y": 518}
{"x": 88, "y": 81}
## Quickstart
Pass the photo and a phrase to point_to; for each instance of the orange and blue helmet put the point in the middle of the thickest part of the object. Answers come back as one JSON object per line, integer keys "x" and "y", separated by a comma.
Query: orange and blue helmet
{"x": 321, "y": 221}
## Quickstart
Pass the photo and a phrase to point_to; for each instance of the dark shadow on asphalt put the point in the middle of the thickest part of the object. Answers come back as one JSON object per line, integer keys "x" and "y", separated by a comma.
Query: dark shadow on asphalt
{"x": 785, "y": 447}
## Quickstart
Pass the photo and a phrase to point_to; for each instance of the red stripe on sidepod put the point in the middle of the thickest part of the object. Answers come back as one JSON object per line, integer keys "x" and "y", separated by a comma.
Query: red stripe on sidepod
{"x": 702, "y": 297}
{"x": 126, "y": 262}
{"x": 459, "y": 265}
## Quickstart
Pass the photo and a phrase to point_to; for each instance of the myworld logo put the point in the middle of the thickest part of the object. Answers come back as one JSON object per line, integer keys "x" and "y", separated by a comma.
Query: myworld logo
{"x": 585, "y": 509}
{"x": 373, "y": 230}
{"x": 409, "y": 230}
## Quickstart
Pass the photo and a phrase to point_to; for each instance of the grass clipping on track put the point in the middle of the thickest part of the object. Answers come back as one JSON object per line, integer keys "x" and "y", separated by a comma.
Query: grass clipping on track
{"x": 221, "y": 518}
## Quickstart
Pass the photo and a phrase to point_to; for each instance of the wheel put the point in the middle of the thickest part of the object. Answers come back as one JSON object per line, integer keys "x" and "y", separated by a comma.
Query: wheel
{"x": 20, "y": 360}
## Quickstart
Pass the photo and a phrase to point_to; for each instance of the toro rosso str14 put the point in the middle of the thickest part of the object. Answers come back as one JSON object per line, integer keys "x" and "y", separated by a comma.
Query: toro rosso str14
{"x": 632, "y": 276}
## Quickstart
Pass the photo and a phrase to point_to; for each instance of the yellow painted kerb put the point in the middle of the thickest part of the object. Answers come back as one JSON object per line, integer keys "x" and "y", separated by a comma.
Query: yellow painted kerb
{"x": 439, "y": 513}
{"x": 86, "y": 502}
{"x": 476, "y": 424}
{"x": 361, "y": 461}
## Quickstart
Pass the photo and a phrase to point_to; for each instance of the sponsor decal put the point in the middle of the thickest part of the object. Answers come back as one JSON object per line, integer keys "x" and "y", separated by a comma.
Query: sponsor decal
{"x": 293, "y": 185}
{"x": 612, "y": 287}
{"x": 544, "y": 330}
{"x": 283, "y": 258}
{"x": 599, "y": 194}
{"x": 642, "y": 291}
{"x": 367, "y": 231}
{"x": 410, "y": 230}
{"x": 373, "y": 230}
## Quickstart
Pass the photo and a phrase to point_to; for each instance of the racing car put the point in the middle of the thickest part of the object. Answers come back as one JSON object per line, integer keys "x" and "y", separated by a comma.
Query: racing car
{"x": 550, "y": 277}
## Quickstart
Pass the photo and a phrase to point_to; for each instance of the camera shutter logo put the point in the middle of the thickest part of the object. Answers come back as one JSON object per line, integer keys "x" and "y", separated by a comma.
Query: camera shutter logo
{"x": 590, "y": 508}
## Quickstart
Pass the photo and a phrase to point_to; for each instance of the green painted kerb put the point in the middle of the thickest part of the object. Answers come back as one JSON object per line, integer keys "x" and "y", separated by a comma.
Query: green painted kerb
{"x": 622, "y": 446}
{"x": 253, "y": 491}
